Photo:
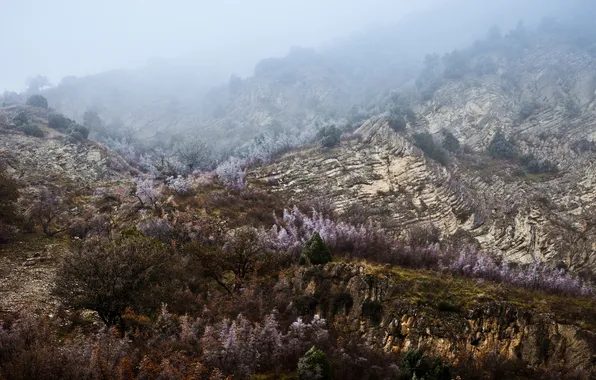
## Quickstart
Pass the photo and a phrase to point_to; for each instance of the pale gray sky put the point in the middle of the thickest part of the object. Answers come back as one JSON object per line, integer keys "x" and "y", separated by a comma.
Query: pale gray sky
{"x": 79, "y": 37}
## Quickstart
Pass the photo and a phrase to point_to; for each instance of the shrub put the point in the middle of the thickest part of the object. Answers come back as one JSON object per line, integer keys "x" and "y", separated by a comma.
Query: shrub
{"x": 75, "y": 128}
{"x": 583, "y": 145}
{"x": 232, "y": 174}
{"x": 532, "y": 165}
{"x": 526, "y": 110}
{"x": 159, "y": 229}
{"x": 316, "y": 251}
{"x": 75, "y": 137}
{"x": 450, "y": 142}
{"x": 500, "y": 147}
{"x": 296, "y": 228}
{"x": 37, "y": 101}
{"x": 193, "y": 153}
{"x": 416, "y": 365}
{"x": 59, "y": 122}
{"x": 147, "y": 193}
{"x": 7, "y": 233}
{"x": 231, "y": 257}
{"x": 485, "y": 66}
{"x": 21, "y": 119}
{"x": 179, "y": 185}
{"x": 423, "y": 235}
{"x": 29, "y": 349}
{"x": 92, "y": 121}
{"x": 267, "y": 145}
{"x": 244, "y": 254}
{"x": 397, "y": 123}
{"x": 314, "y": 366}
{"x": 329, "y": 136}
{"x": 31, "y": 130}
{"x": 110, "y": 276}
{"x": 373, "y": 243}
{"x": 78, "y": 229}
{"x": 400, "y": 110}
{"x": 430, "y": 79}
{"x": 456, "y": 64}
{"x": 470, "y": 263}
{"x": 160, "y": 163}
{"x": 47, "y": 210}
{"x": 426, "y": 142}
{"x": 446, "y": 305}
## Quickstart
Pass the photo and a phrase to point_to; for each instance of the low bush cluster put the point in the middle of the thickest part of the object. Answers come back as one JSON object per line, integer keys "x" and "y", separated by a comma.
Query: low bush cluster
{"x": 37, "y": 101}
{"x": 21, "y": 119}
{"x": 74, "y": 132}
{"x": 426, "y": 142}
{"x": 533, "y": 165}
{"x": 32, "y": 130}
{"x": 110, "y": 276}
{"x": 501, "y": 147}
{"x": 329, "y": 136}
{"x": 450, "y": 142}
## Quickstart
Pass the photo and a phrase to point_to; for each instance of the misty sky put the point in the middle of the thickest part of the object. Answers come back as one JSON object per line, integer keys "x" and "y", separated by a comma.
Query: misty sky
{"x": 78, "y": 37}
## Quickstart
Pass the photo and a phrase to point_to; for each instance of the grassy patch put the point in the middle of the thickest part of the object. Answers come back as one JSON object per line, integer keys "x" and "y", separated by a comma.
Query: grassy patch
{"x": 253, "y": 206}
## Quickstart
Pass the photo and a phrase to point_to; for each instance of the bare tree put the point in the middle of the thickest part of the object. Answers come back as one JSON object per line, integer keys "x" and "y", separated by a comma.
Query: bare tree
{"x": 147, "y": 193}
{"x": 236, "y": 255}
{"x": 46, "y": 210}
{"x": 109, "y": 276}
{"x": 193, "y": 153}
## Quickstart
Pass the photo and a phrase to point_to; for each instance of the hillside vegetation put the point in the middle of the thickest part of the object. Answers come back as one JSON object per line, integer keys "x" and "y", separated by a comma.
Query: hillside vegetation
{"x": 321, "y": 223}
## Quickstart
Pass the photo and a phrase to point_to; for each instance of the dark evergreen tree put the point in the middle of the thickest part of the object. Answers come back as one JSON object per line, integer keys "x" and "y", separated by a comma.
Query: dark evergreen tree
{"x": 426, "y": 142}
{"x": 450, "y": 142}
{"x": 316, "y": 251}
{"x": 500, "y": 147}
{"x": 314, "y": 365}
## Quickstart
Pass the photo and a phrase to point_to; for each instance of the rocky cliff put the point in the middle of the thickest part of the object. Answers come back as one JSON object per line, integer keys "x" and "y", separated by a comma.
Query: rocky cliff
{"x": 542, "y": 99}
{"x": 400, "y": 310}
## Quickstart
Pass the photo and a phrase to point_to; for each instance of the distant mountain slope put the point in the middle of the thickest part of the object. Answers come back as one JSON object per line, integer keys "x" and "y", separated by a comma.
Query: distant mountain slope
{"x": 306, "y": 87}
{"x": 162, "y": 96}
{"x": 284, "y": 93}
{"x": 522, "y": 183}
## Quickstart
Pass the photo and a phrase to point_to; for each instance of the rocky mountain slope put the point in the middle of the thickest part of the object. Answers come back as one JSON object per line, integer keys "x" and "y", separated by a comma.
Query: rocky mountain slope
{"x": 71, "y": 170}
{"x": 540, "y": 94}
{"x": 53, "y": 159}
{"x": 385, "y": 311}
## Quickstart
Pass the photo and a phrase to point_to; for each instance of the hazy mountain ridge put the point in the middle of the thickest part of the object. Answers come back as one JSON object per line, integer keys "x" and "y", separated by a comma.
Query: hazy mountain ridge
{"x": 540, "y": 95}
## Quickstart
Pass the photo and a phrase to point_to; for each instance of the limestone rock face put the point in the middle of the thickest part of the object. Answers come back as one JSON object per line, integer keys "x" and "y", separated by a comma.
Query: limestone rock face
{"x": 539, "y": 340}
{"x": 522, "y": 219}
{"x": 544, "y": 100}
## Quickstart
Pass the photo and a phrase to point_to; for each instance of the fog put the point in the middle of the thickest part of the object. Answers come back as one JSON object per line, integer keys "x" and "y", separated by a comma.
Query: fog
{"x": 74, "y": 37}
